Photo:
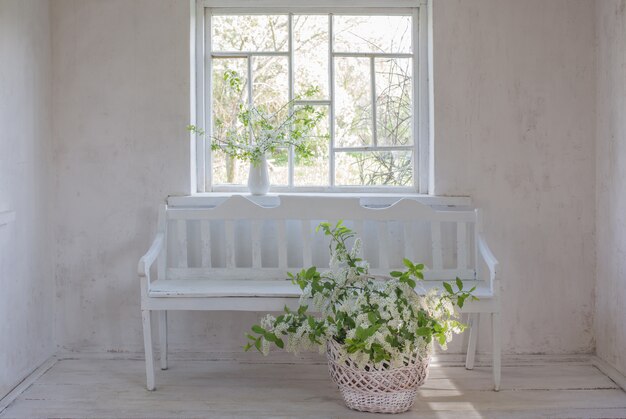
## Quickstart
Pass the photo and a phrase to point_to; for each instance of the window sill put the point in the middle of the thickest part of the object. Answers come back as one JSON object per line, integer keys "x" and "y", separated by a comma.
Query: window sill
{"x": 215, "y": 198}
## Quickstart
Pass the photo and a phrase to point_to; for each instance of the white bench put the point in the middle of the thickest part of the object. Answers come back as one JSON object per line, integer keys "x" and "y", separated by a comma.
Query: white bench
{"x": 235, "y": 256}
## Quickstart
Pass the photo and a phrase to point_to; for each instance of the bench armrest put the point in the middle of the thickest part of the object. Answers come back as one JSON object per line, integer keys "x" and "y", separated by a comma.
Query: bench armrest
{"x": 146, "y": 261}
{"x": 490, "y": 260}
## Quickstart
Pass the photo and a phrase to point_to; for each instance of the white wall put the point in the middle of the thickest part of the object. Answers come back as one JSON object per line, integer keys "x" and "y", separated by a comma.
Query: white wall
{"x": 611, "y": 188}
{"x": 121, "y": 104}
{"x": 26, "y": 269}
{"x": 514, "y": 99}
{"x": 514, "y": 121}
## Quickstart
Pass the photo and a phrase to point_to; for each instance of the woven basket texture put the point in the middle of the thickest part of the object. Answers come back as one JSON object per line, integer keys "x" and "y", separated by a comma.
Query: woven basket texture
{"x": 379, "y": 390}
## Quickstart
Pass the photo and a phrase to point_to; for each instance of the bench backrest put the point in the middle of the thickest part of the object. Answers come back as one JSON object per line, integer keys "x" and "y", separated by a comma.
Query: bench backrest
{"x": 241, "y": 239}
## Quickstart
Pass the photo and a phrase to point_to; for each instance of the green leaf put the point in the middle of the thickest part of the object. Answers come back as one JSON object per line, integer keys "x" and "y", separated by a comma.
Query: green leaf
{"x": 371, "y": 316}
{"x": 360, "y": 333}
{"x": 407, "y": 263}
{"x": 448, "y": 287}
{"x": 395, "y": 274}
{"x": 280, "y": 343}
{"x": 423, "y": 331}
{"x": 258, "y": 329}
{"x": 459, "y": 283}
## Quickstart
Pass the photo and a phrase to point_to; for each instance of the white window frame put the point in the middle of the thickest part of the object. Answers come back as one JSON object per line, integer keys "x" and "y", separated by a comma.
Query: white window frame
{"x": 201, "y": 170}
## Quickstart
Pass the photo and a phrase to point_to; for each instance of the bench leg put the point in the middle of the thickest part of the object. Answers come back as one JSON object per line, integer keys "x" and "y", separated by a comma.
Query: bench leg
{"x": 163, "y": 338}
{"x": 473, "y": 324}
{"x": 497, "y": 356}
{"x": 147, "y": 342}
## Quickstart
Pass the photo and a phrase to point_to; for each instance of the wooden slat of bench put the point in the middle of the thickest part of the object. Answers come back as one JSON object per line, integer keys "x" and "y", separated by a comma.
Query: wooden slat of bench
{"x": 256, "y": 244}
{"x": 281, "y": 226}
{"x": 181, "y": 243}
{"x": 205, "y": 240}
{"x": 306, "y": 243}
{"x": 383, "y": 245}
{"x": 229, "y": 228}
{"x": 435, "y": 231}
{"x": 409, "y": 240}
{"x": 461, "y": 245}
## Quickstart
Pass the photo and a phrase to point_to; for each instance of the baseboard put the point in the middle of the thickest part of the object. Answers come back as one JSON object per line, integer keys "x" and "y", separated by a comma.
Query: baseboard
{"x": 26, "y": 382}
{"x": 609, "y": 371}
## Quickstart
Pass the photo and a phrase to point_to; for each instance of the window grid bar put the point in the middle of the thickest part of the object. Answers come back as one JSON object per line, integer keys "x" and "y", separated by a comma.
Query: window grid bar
{"x": 321, "y": 189}
{"x": 349, "y": 11}
{"x": 373, "y": 92}
{"x": 207, "y": 115}
{"x": 331, "y": 93}
{"x": 290, "y": 66}
{"x": 421, "y": 93}
{"x": 250, "y": 99}
{"x": 375, "y": 148}
{"x": 321, "y": 102}
{"x": 416, "y": 103}
{"x": 374, "y": 54}
{"x": 248, "y": 54}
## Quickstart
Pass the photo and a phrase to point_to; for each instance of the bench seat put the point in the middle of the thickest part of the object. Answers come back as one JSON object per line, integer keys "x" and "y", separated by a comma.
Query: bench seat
{"x": 164, "y": 288}
{"x": 210, "y": 288}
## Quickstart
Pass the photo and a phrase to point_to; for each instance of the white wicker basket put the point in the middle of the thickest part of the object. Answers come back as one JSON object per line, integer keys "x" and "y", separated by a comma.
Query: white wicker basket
{"x": 379, "y": 390}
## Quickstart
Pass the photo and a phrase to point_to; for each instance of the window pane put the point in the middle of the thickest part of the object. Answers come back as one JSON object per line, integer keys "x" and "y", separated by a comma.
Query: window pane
{"x": 372, "y": 33}
{"x": 393, "y": 101}
{"x": 278, "y": 166}
{"x": 229, "y": 92}
{"x": 353, "y": 102}
{"x": 313, "y": 170}
{"x": 391, "y": 168}
{"x": 311, "y": 55}
{"x": 249, "y": 33}
{"x": 270, "y": 87}
{"x": 227, "y": 170}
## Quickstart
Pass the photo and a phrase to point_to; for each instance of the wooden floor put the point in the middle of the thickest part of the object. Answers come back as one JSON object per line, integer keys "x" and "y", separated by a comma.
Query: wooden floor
{"x": 114, "y": 388}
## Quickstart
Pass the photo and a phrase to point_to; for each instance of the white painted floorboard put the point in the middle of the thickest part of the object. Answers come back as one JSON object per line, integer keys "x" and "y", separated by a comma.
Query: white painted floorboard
{"x": 94, "y": 387}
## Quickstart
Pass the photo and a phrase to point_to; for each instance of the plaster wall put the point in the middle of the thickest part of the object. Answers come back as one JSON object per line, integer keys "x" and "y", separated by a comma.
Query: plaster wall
{"x": 121, "y": 104}
{"x": 26, "y": 268}
{"x": 611, "y": 190}
{"x": 514, "y": 114}
{"x": 514, "y": 85}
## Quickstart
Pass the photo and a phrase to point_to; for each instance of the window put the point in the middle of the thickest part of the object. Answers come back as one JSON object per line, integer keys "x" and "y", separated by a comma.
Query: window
{"x": 360, "y": 72}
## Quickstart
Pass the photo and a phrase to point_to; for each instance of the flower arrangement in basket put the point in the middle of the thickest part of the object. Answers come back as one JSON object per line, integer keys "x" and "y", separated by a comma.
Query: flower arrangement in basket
{"x": 378, "y": 332}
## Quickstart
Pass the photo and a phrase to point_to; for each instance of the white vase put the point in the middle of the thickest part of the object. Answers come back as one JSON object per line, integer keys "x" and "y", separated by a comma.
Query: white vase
{"x": 258, "y": 177}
